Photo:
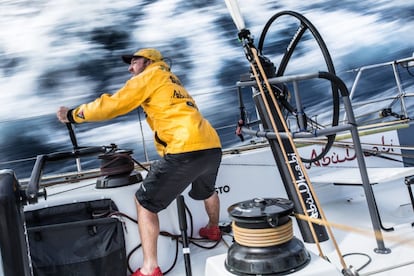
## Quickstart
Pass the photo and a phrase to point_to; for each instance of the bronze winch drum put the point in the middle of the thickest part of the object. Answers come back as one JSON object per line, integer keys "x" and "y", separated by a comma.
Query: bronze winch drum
{"x": 264, "y": 242}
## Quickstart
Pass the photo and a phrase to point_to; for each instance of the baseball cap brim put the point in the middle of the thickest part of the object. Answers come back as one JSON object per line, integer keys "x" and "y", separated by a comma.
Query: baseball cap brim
{"x": 149, "y": 53}
{"x": 127, "y": 58}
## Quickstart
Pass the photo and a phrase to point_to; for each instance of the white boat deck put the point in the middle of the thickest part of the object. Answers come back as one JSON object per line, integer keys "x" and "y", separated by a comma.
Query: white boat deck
{"x": 351, "y": 176}
{"x": 354, "y": 236}
{"x": 343, "y": 205}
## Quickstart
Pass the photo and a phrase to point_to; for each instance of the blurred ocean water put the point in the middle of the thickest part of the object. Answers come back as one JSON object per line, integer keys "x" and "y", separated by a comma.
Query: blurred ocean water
{"x": 55, "y": 53}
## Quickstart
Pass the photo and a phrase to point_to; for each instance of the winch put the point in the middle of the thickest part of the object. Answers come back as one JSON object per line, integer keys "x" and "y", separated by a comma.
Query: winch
{"x": 264, "y": 241}
{"x": 117, "y": 169}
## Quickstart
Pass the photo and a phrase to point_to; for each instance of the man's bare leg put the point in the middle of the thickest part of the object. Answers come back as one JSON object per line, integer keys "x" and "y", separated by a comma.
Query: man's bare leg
{"x": 212, "y": 205}
{"x": 149, "y": 229}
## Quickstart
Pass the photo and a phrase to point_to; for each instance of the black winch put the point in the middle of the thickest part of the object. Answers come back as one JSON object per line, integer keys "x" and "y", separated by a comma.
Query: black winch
{"x": 264, "y": 242}
{"x": 117, "y": 169}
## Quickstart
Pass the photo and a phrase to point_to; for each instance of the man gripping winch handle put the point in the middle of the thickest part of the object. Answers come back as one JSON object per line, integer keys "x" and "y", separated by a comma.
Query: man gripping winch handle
{"x": 189, "y": 146}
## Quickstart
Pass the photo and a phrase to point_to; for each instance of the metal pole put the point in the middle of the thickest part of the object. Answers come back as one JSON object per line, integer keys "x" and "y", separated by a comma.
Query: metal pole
{"x": 183, "y": 227}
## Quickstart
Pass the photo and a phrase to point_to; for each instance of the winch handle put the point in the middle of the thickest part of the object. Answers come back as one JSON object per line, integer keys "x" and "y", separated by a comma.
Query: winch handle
{"x": 72, "y": 136}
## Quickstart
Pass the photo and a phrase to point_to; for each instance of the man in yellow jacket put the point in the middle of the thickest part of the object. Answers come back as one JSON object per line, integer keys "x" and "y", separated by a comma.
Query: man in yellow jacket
{"x": 189, "y": 145}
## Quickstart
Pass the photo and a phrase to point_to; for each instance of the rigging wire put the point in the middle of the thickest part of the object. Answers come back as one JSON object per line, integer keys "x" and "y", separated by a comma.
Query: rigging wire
{"x": 142, "y": 135}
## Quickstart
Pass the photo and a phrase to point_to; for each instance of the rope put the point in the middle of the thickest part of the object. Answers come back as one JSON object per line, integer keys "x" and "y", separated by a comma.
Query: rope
{"x": 116, "y": 163}
{"x": 279, "y": 138}
{"x": 299, "y": 162}
{"x": 263, "y": 237}
{"x": 378, "y": 235}
{"x": 176, "y": 238}
{"x": 397, "y": 239}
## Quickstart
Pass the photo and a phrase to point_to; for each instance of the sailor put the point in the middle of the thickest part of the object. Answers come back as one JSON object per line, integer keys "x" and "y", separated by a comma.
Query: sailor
{"x": 189, "y": 146}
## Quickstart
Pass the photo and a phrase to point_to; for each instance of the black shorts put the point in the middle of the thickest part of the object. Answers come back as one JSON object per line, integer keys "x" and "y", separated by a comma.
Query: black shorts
{"x": 171, "y": 175}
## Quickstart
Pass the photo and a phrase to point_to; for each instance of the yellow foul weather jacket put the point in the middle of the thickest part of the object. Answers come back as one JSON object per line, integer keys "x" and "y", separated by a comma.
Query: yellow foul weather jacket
{"x": 171, "y": 112}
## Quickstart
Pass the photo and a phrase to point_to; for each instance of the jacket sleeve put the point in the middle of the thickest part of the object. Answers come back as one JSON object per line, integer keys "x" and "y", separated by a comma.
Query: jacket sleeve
{"x": 109, "y": 106}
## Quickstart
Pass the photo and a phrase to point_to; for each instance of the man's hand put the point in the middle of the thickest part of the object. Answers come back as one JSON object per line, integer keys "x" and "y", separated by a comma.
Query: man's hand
{"x": 62, "y": 114}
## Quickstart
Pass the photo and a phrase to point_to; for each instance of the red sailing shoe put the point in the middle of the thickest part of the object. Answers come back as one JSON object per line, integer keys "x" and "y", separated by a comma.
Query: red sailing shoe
{"x": 212, "y": 233}
{"x": 156, "y": 272}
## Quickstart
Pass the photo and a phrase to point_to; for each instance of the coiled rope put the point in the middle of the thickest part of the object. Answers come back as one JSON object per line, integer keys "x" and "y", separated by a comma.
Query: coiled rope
{"x": 116, "y": 163}
{"x": 263, "y": 237}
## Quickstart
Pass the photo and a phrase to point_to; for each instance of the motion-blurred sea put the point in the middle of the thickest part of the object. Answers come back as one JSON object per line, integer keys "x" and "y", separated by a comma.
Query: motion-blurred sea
{"x": 67, "y": 52}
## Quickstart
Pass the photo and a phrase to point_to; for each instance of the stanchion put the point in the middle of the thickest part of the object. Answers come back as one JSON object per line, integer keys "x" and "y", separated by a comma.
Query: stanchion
{"x": 183, "y": 227}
